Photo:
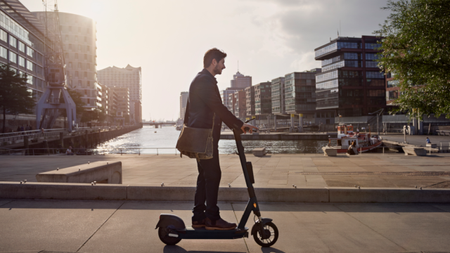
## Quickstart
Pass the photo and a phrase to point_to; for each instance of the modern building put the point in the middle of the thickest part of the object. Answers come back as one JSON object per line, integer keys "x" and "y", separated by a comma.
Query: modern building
{"x": 241, "y": 81}
{"x": 351, "y": 85}
{"x": 78, "y": 35}
{"x": 225, "y": 96}
{"x": 123, "y": 104}
{"x": 300, "y": 94}
{"x": 392, "y": 89}
{"x": 263, "y": 99}
{"x": 109, "y": 103}
{"x": 184, "y": 96}
{"x": 250, "y": 102}
{"x": 128, "y": 77}
{"x": 23, "y": 45}
{"x": 278, "y": 90}
{"x": 240, "y": 104}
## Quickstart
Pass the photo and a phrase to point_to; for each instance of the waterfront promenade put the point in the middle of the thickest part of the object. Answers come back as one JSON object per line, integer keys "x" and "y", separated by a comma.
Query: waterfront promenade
{"x": 45, "y": 225}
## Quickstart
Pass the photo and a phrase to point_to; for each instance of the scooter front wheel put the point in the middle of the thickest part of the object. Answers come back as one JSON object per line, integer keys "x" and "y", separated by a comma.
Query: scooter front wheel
{"x": 167, "y": 236}
{"x": 267, "y": 236}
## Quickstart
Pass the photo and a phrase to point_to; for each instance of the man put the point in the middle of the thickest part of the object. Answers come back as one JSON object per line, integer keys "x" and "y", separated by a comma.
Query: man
{"x": 205, "y": 105}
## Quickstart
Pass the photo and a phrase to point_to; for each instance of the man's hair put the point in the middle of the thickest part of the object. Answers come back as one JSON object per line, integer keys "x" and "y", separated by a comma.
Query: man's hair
{"x": 213, "y": 54}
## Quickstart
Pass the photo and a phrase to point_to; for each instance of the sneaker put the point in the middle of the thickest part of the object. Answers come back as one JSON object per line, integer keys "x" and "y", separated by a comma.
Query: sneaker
{"x": 219, "y": 224}
{"x": 198, "y": 224}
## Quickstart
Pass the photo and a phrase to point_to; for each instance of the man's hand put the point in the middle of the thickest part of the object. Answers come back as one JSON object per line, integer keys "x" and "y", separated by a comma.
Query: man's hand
{"x": 247, "y": 127}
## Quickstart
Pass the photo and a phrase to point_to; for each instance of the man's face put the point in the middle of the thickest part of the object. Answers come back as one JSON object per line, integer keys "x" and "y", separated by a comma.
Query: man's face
{"x": 220, "y": 65}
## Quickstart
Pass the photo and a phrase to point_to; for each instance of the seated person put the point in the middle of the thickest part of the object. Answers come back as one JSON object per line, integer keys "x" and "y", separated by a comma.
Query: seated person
{"x": 69, "y": 151}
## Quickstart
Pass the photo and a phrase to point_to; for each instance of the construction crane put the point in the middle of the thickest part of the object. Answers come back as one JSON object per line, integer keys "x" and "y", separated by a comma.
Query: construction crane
{"x": 56, "y": 98}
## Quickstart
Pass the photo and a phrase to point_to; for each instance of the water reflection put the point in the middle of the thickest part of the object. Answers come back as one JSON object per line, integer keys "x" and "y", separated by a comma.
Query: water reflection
{"x": 150, "y": 140}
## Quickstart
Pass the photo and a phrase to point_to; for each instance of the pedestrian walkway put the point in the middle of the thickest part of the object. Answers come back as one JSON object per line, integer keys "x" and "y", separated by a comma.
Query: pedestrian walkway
{"x": 273, "y": 171}
{"x": 29, "y": 226}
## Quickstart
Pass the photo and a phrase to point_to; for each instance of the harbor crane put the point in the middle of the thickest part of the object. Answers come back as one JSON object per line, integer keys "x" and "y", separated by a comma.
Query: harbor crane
{"x": 56, "y": 98}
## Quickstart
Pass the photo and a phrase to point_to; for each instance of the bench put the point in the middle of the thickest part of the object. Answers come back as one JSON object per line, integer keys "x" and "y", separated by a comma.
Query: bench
{"x": 101, "y": 172}
{"x": 414, "y": 151}
{"x": 259, "y": 152}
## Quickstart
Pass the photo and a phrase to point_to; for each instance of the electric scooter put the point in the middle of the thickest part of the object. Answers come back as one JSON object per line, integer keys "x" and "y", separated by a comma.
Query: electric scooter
{"x": 265, "y": 233}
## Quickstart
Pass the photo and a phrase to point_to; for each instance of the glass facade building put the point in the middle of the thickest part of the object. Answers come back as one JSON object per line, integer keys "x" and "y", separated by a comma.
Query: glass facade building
{"x": 350, "y": 82}
{"x": 250, "y": 101}
{"x": 299, "y": 94}
{"x": 23, "y": 44}
{"x": 263, "y": 98}
{"x": 277, "y": 87}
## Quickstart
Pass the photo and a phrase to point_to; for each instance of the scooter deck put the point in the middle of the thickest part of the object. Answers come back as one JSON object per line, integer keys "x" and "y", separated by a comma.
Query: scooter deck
{"x": 202, "y": 233}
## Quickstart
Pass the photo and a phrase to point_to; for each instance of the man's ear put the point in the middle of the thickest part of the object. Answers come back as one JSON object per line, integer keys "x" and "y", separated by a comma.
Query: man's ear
{"x": 214, "y": 62}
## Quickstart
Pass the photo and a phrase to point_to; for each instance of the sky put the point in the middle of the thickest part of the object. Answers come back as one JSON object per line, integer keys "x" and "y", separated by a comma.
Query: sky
{"x": 264, "y": 39}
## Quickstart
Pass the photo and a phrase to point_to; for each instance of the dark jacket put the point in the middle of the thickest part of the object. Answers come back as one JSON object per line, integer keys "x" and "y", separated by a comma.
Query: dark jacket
{"x": 204, "y": 101}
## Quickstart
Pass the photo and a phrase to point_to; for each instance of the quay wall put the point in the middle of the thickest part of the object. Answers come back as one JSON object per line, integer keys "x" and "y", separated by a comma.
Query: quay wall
{"x": 86, "y": 139}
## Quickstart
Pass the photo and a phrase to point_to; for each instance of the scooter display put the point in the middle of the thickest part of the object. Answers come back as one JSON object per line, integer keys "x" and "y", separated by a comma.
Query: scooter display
{"x": 171, "y": 228}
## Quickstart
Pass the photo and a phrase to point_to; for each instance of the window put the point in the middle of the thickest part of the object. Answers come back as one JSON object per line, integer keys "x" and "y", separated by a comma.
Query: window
{"x": 372, "y": 45}
{"x": 30, "y": 51}
{"x": 79, "y": 65}
{"x": 76, "y": 55}
{"x": 29, "y": 65}
{"x": 80, "y": 83}
{"x": 12, "y": 57}
{"x": 372, "y": 74}
{"x": 85, "y": 74}
{"x": 21, "y": 47}
{"x": 30, "y": 79}
{"x": 21, "y": 61}
{"x": 12, "y": 41}
{"x": 76, "y": 73}
{"x": 3, "y": 35}
{"x": 3, "y": 52}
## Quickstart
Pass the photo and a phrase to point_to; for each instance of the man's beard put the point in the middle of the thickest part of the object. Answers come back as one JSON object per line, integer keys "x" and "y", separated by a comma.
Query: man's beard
{"x": 217, "y": 70}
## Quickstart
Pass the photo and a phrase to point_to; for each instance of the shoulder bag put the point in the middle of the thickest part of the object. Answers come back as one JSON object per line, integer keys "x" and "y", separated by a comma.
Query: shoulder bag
{"x": 195, "y": 142}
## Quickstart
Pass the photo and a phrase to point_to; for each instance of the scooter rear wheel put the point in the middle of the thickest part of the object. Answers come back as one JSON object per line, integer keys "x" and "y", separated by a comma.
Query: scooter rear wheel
{"x": 163, "y": 233}
{"x": 268, "y": 236}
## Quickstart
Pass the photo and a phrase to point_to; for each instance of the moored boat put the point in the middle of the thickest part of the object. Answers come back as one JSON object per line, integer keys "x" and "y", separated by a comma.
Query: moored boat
{"x": 346, "y": 137}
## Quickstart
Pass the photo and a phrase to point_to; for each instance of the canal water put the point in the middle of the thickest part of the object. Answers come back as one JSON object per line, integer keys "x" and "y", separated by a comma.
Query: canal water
{"x": 150, "y": 140}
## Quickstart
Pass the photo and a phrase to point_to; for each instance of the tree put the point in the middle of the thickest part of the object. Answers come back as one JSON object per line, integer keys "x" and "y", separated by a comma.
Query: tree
{"x": 14, "y": 95}
{"x": 416, "y": 51}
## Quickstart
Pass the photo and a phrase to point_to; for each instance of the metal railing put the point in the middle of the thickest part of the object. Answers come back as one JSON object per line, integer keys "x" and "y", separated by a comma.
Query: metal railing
{"x": 48, "y": 134}
{"x": 88, "y": 151}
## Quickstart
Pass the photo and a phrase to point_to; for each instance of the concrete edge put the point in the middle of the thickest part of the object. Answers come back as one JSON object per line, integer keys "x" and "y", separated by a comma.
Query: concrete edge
{"x": 72, "y": 191}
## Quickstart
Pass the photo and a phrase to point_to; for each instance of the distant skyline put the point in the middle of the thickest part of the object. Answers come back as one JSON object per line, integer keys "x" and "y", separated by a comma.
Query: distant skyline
{"x": 168, "y": 39}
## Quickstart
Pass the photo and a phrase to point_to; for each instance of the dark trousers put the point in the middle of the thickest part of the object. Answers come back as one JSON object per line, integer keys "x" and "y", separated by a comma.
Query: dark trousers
{"x": 208, "y": 181}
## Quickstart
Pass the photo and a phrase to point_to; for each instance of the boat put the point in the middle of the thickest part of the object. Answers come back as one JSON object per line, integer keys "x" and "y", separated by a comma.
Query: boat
{"x": 363, "y": 142}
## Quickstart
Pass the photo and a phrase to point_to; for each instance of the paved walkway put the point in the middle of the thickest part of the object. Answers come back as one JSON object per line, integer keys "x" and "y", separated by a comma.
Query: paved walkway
{"x": 128, "y": 226}
{"x": 272, "y": 171}
{"x": 30, "y": 226}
